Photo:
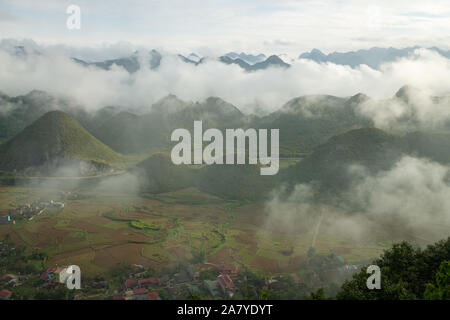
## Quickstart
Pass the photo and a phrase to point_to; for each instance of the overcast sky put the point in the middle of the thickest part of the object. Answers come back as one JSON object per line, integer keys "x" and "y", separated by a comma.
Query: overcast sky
{"x": 219, "y": 26}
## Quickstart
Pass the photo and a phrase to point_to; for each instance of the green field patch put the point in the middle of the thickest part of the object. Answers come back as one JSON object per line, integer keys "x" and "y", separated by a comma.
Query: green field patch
{"x": 79, "y": 234}
{"x": 142, "y": 225}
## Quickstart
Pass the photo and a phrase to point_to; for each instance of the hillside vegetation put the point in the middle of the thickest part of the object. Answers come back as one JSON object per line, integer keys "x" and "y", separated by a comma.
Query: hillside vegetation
{"x": 55, "y": 138}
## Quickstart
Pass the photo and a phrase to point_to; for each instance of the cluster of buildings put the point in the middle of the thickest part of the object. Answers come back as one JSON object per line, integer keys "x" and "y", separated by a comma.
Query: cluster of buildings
{"x": 54, "y": 276}
{"x": 139, "y": 289}
{"x": 29, "y": 211}
{"x": 178, "y": 284}
{"x": 10, "y": 281}
{"x": 7, "y": 220}
{"x": 224, "y": 284}
{"x": 138, "y": 286}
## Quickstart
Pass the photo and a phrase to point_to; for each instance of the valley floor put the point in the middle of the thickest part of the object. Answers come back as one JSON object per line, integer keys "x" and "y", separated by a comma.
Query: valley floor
{"x": 98, "y": 230}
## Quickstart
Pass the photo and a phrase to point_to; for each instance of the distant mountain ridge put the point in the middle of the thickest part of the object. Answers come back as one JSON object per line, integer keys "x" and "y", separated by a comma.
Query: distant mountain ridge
{"x": 249, "y": 58}
{"x": 272, "y": 61}
{"x": 131, "y": 63}
{"x": 372, "y": 57}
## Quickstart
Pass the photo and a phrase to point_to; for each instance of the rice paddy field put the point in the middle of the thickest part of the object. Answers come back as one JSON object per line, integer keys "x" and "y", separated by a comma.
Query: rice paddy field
{"x": 97, "y": 230}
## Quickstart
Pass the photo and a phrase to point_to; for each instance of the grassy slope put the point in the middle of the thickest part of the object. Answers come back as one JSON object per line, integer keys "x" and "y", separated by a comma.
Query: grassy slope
{"x": 54, "y": 135}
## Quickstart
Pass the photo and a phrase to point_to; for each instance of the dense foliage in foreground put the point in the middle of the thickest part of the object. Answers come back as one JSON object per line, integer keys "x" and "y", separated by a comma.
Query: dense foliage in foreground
{"x": 406, "y": 273}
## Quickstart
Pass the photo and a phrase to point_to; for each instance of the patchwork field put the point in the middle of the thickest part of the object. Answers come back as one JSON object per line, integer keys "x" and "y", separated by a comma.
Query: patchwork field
{"x": 98, "y": 230}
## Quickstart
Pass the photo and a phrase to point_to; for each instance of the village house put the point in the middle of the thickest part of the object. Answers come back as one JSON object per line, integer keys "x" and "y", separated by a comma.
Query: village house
{"x": 11, "y": 280}
{"x": 16, "y": 214}
{"x": 148, "y": 282}
{"x": 130, "y": 284}
{"x": 140, "y": 294}
{"x": 225, "y": 284}
{"x": 7, "y": 220}
{"x": 295, "y": 278}
{"x": 5, "y": 294}
{"x": 8, "y": 277}
{"x": 153, "y": 295}
{"x": 229, "y": 270}
{"x": 55, "y": 274}
{"x": 58, "y": 204}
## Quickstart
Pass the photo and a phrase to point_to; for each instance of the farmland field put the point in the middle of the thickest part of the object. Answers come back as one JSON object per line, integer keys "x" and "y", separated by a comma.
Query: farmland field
{"x": 100, "y": 229}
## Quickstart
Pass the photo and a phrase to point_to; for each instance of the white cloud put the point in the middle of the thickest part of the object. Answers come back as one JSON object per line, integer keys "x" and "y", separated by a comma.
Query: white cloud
{"x": 54, "y": 72}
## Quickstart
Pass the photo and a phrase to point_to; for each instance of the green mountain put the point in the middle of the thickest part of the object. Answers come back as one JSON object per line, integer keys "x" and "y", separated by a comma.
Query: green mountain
{"x": 236, "y": 182}
{"x": 158, "y": 174}
{"x": 18, "y": 112}
{"x": 53, "y": 141}
{"x": 129, "y": 133}
{"x": 121, "y": 133}
{"x": 309, "y": 121}
{"x": 329, "y": 164}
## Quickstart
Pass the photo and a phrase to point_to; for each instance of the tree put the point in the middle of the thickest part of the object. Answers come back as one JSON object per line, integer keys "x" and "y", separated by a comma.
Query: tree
{"x": 318, "y": 295}
{"x": 207, "y": 274}
{"x": 441, "y": 290}
{"x": 405, "y": 273}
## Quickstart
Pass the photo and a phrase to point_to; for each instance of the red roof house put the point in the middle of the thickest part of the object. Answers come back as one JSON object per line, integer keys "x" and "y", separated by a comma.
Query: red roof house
{"x": 5, "y": 294}
{"x": 153, "y": 296}
{"x": 225, "y": 282}
{"x": 140, "y": 291}
{"x": 230, "y": 270}
{"x": 44, "y": 276}
{"x": 148, "y": 281}
{"x": 130, "y": 283}
{"x": 8, "y": 277}
{"x": 295, "y": 278}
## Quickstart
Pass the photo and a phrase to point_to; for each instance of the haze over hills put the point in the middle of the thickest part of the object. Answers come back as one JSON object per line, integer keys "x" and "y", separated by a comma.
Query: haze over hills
{"x": 224, "y": 150}
{"x": 309, "y": 121}
{"x": 132, "y": 63}
{"x": 373, "y": 57}
{"x": 327, "y": 132}
{"x": 127, "y": 133}
{"x": 329, "y": 164}
{"x": 20, "y": 111}
{"x": 306, "y": 121}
